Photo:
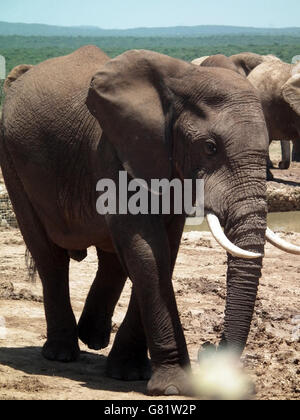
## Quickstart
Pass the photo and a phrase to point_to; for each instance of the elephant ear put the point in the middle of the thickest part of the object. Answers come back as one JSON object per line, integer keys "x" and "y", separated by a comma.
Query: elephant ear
{"x": 246, "y": 62}
{"x": 291, "y": 92}
{"x": 14, "y": 75}
{"x": 130, "y": 99}
{"x": 221, "y": 61}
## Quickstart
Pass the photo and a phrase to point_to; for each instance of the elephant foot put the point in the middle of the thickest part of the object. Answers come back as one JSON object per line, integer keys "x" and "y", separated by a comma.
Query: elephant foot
{"x": 95, "y": 335}
{"x": 270, "y": 176}
{"x": 134, "y": 367}
{"x": 284, "y": 165}
{"x": 170, "y": 380}
{"x": 61, "y": 350}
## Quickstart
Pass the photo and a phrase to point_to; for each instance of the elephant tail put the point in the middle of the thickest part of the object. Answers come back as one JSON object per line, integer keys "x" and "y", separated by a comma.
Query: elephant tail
{"x": 14, "y": 75}
{"x": 31, "y": 266}
{"x": 1, "y": 127}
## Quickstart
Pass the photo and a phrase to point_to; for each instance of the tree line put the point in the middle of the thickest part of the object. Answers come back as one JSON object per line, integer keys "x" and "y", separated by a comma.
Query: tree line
{"x": 33, "y": 50}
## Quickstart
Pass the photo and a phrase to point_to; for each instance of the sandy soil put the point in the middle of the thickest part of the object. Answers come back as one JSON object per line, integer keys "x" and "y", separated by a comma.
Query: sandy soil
{"x": 272, "y": 357}
{"x": 290, "y": 176}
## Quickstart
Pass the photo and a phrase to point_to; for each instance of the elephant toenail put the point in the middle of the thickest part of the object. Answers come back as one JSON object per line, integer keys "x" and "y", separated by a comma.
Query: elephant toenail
{"x": 171, "y": 390}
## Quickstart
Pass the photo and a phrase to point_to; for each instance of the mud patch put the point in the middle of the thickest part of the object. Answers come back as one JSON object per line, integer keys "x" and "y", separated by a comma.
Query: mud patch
{"x": 7, "y": 291}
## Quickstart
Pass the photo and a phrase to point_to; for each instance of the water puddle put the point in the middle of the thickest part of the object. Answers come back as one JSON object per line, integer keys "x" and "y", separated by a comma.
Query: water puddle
{"x": 287, "y": 222}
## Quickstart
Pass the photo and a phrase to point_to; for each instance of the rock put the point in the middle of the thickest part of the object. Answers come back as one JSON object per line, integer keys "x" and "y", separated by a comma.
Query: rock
{"x": 4, "y": 223}
{"x": 196, "y": 313}
{"x": 282, "y": 197}
{"x": 6, "y": 289}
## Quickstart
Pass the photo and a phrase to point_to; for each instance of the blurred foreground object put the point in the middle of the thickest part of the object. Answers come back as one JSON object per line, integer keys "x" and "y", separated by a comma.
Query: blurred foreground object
{"x": 218, "y": 376}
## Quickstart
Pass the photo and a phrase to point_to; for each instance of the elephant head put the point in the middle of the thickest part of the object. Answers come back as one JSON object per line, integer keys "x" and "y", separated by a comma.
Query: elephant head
{"x": 166, "y": 118}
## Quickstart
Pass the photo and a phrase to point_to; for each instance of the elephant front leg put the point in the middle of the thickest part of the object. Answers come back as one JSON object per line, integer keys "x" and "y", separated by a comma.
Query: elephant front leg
{"x": 96, "y": 320}
{"x": 128, "y": 359}
{"x": 144, "y": 250}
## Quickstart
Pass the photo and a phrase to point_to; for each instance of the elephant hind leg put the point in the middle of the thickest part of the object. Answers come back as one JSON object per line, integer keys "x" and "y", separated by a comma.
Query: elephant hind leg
{"x": 286, "y": 155}
{"x": 296, "y": 150}
{"x": 52, "y": 264}
{"x": 96, "y": 320}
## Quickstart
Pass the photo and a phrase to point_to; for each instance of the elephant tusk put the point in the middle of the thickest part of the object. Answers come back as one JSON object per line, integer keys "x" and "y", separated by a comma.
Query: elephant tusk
{"x": 281, "y": 243}
{"x": 221, "y": 238}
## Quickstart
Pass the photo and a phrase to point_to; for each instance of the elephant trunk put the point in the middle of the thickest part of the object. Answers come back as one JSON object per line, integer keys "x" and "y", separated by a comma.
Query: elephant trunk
{"x": 247, "y": 231}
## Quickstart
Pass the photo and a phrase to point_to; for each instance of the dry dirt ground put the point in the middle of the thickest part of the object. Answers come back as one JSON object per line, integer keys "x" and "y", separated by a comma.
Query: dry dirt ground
{"x": 272, "y": 356}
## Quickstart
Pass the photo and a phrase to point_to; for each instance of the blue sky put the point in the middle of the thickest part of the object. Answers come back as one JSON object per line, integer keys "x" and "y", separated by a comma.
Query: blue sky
{"x": 121, "y": 14}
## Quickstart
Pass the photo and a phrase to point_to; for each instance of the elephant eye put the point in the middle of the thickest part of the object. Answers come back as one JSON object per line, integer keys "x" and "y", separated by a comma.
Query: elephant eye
{"x": 211, "y": 147}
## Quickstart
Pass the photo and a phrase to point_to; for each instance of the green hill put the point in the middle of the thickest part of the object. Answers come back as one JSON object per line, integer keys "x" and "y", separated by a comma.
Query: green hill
{"x": 24, "y": 29}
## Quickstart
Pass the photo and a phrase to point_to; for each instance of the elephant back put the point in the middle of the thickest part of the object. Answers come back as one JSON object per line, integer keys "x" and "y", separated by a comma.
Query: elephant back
{"x": 51, "y": 91}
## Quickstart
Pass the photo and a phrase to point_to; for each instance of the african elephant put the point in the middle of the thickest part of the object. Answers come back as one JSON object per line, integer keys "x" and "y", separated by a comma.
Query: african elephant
{"x": 160, "y": 118}
{"x": 278, "y": 86}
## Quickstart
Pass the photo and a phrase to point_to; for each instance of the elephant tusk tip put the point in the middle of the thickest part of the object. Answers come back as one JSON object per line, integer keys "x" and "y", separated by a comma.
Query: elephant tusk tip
{"x": 281, "y": 243}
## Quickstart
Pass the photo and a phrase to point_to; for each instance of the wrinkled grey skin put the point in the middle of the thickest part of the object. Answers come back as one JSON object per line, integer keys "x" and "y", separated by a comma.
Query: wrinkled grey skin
{"x": 156, "y": 117}
{"x": 278, "y": 84}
